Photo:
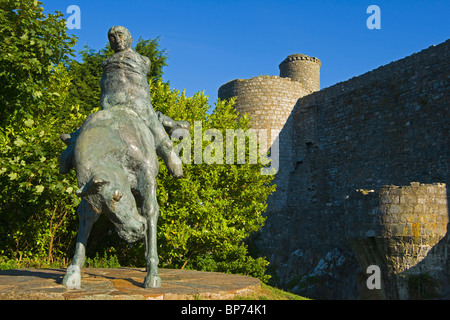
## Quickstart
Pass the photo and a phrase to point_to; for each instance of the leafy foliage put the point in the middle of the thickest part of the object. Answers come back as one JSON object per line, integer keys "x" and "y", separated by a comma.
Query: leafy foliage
{"x": 158, "y": 58}
{"x": 37, "y": 204}
{"x": 206, "y": 216}
{"x": 106, "y": 261}
{"x": 32, "y": 44}
{"x": 84, "y": 90}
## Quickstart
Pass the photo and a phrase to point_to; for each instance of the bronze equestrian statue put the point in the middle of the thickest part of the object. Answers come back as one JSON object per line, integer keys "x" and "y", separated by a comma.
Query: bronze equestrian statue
{"x": 114, "y": 154}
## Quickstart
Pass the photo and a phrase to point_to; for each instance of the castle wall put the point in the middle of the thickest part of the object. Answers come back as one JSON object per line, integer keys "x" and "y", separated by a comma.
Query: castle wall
{"x": 389, "y": 126}
{"x": 269, "y": 100}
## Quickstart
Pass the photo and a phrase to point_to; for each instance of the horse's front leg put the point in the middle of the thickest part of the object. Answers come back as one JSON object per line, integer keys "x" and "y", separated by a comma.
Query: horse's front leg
{"x": 87, "y": 218}
{"x": 152, "y": 279}
{"x": 150, "y": 210}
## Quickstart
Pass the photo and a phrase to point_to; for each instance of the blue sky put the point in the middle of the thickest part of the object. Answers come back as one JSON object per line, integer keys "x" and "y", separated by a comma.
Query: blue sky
{"x": 212, "y": 42}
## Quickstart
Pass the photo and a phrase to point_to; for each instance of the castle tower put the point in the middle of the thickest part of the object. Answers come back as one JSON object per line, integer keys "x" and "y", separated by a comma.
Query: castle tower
{"x": 269, "y": 101}
{"x": 402, "y": 230}
{"x": 303, "y": 69}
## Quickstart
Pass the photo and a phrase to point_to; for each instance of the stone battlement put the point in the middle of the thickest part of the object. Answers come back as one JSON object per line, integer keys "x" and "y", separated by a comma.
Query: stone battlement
{"x": 299, "y": 56}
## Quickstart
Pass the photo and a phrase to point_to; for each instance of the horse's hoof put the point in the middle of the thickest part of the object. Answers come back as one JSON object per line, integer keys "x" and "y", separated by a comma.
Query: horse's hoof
{"x": 152, "y": 281}
{"x": 72, "y": 279}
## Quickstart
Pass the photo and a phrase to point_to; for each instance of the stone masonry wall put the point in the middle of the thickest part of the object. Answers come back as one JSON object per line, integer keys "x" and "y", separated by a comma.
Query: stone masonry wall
{"x": 269, "y": 100}
{"x": 389, "y": 126}
{"x": 399, "y": 229}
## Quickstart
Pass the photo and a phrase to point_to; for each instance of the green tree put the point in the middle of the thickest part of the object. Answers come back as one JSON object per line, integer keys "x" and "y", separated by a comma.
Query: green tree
{"x": 207, "y": 216}
{"x": 37, "y": 205}
{"x": 158, "y": 57}
{"x": 85, "y": 88}
{"x": 32, "y": 44}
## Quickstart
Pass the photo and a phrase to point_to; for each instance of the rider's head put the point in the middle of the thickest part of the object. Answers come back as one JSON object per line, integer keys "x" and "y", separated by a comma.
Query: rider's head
{"x": 119, "y": 38}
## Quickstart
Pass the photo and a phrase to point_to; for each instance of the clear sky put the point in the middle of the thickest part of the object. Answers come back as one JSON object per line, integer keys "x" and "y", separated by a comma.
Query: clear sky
{"x": 212, "y": 42}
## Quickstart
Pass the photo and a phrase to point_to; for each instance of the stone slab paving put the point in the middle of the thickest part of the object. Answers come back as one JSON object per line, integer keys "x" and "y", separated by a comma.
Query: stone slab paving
{"x": 123, "y": 284}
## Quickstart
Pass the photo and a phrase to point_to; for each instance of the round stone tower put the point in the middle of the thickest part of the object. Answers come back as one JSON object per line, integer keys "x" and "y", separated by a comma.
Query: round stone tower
{"x": 269, "y": 101}
{"x": 303, "y": 69}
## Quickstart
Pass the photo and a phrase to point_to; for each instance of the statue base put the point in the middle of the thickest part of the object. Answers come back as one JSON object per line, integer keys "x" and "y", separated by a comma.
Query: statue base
{"x": 123, "y": 284}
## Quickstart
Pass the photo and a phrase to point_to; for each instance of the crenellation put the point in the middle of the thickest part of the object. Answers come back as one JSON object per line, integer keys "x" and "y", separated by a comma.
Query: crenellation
{"x": 299, "y": 56}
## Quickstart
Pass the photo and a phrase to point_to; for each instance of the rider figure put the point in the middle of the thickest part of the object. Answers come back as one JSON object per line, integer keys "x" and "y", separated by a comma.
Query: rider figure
{"x": 124, "y": 84}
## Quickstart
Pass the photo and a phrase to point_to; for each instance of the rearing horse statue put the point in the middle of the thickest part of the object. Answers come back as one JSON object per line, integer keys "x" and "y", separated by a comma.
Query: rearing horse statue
{"x": 114, "y": 154}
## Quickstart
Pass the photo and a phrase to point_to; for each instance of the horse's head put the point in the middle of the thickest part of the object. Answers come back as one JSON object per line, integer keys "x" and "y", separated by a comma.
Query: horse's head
{"x": 106, "y": 195}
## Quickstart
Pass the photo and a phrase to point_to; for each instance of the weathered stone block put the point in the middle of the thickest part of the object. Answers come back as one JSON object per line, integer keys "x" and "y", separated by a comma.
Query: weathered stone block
{"x": 418, "y": 209}
{"x": 408, "y": 199}
{"x": 395, "y": 209}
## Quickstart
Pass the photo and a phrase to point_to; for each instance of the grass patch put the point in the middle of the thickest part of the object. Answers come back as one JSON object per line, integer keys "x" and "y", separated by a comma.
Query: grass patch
{"x": 266, "y": 292}
{"x": 8, "y": 264}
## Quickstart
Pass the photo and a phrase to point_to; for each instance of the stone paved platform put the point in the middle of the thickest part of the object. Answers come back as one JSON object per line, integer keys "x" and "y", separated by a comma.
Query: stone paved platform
{"x": 123, "y": 284}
